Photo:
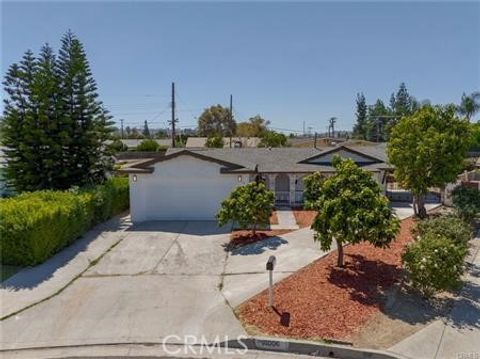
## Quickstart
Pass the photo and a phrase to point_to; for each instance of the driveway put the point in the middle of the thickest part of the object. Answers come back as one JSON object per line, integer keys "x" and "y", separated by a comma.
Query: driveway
{"x": 161, "y": 279}
{"x": 124, "y": 283}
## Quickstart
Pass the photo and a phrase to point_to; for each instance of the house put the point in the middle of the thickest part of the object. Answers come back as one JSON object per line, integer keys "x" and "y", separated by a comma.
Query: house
{"x": 228, "y": 142}
{"x": 133, "y": 143}
{"x": 189, "y": 184}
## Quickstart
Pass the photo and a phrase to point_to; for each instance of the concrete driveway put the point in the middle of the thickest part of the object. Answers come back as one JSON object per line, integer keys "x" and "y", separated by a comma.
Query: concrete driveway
{"x": 161, "y": 279}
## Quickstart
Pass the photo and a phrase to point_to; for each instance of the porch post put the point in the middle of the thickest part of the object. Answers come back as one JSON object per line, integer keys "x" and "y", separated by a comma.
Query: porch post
{"x": 293, "y": 188}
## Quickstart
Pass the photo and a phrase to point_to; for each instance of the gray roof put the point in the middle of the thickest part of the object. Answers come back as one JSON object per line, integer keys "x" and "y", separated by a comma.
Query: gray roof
{"x": 199, "y": 142}
{"x": 286, "y": 159}
{"x": 131, "y": 143}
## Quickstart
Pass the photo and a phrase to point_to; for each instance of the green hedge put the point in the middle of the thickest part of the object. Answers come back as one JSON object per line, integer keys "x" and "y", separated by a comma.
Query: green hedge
{"x": 35, "y": 225}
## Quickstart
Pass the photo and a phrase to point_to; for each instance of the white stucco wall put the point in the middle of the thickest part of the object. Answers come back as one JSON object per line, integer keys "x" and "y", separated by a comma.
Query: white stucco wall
{"x": 182, "y": 188}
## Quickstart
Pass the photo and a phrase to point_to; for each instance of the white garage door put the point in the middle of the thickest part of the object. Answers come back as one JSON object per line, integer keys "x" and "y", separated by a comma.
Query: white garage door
{"x": 181, "y": 188}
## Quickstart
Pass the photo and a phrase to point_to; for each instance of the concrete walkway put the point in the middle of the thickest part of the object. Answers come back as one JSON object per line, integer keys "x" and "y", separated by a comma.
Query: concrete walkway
{"x": 245, "y": 273}
{"x": 457, "y": 336}
{"x": 286, "y": 219}
{"x": 34, "y": 284}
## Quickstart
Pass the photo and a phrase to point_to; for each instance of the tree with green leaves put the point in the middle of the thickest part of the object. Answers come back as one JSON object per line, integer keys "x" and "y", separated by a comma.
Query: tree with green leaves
{"x": 379, "y": 117}
{"x": 469, "y": 105}
{"x": 312, "y": 188}
{"x": 351, "y": 209}
{"x": 427, "y": 150}
{"x": 214, "y": 141}
{"x": 250, "y": 206}
{"x": 216, "y": 120}
{"x": 360, "y": 130}
{"x": 54, "y": 127}
{"x": 272, "y": 139}
{"x": 146, "y": 130}
{"x": 88, "y": 122}
{"x": 254, "y": 127}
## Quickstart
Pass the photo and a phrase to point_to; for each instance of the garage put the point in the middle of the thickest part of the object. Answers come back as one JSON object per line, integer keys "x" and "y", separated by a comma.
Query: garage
{"x": 180, "y": 187}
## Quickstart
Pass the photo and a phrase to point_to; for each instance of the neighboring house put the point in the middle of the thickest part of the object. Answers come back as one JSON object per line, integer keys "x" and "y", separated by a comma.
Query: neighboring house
{"x": 132, "y": 143}
{"x": 228, "y": 142}
{"x": 189, "y": 184}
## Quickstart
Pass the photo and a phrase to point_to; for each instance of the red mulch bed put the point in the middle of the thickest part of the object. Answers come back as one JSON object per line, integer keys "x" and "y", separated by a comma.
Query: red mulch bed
{"x": 323, "y": 301}
{"x": 304, "y": 217}
{"x": 242, "y": 237}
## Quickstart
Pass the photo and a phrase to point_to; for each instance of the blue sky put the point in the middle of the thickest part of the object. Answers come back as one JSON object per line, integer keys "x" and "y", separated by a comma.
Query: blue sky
{"x": 289, "y": 62}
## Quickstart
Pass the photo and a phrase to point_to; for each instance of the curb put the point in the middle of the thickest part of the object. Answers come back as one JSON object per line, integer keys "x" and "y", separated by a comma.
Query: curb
{"x": 264, "y": 344}
{"x": 309, "y": 348}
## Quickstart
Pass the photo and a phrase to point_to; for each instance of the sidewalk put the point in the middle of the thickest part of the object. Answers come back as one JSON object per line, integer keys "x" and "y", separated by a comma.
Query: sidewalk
{"x": 35, "y": 284}
{"x": 286, "y": 219}
{"x": 458, "y": 336}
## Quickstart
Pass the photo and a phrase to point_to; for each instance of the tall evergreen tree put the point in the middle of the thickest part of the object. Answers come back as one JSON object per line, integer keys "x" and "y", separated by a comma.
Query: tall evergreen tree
{"x": 54, "y": 128}
{"x": 379, "y": 116}
{"x": 360, "y": 130}
{"x": 20, "y": 124}
{"x": 146, "y": 131}
{"x": 88, "y": 123}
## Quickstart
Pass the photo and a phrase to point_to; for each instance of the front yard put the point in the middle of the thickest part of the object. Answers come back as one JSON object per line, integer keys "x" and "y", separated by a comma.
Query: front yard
{"x": 327, "y": 302}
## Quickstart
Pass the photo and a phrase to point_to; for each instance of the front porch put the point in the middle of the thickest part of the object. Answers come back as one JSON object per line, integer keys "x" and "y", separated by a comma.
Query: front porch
{"x": 288, "y": 188}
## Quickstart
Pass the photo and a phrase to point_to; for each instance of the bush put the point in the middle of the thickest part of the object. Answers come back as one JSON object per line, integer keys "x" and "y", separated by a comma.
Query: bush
{"x": 433, "y": 264}
{"x": 148, "y": 146}
{"x": 117, "y": 146}
{"x": 450, "y": 227}
{"x": 35, "y": 225}
{"x": 466, "y": 201}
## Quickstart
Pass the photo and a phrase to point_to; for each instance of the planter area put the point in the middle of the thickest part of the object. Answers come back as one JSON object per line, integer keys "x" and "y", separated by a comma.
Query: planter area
{"x": 321, "y": 301}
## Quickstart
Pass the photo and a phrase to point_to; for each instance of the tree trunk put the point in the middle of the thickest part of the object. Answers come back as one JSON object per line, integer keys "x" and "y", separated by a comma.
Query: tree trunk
{"x": 339, "y": 253}
{"x": 254, "y": 229}
{"x": 420, "y": 202}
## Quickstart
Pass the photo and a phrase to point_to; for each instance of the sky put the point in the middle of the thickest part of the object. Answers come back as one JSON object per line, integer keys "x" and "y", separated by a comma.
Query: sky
{"x": 291, "y": 63}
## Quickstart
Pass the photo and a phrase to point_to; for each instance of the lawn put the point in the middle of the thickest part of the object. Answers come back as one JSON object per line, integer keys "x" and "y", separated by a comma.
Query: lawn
{"x": 324, "y": 301}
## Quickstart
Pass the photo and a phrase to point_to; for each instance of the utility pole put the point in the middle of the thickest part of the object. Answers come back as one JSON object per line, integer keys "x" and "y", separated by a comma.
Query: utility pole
{"x": 315, "y": 141}
{"x": 332, "y": 126}
{"x": 121, "y": 128}
{"x": 231, "y": 118}
{"x": 303, "y": 128}
{"x": 173, "y": 115}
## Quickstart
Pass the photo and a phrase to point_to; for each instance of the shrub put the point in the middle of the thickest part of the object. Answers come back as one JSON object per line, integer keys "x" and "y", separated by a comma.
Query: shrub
{"x": 248, "y": 205}
{"x": 450, "y": 227}
{"x": 148, "y": 146}
{"x": 433, "y": 264}
{"x": 35, "y": 225}
{"x": 117, "y": 146}
{"x": 214, "y": 141}
{"x": 466, "y": 201}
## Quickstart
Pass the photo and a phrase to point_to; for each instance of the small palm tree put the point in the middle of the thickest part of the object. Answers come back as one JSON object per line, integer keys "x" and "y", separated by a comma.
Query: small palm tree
{"x": 469, "y": 105}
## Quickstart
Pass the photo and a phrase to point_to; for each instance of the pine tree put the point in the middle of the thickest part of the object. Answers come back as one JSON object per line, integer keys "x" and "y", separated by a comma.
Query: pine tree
{"x": 54, "y": 128}
{"x": 87, "y": 122}
{"x": 20, "y": 126}
{"x": 146, "y": 131}
{"x": 360, "y": 129}
{"x": 50, "y": 133}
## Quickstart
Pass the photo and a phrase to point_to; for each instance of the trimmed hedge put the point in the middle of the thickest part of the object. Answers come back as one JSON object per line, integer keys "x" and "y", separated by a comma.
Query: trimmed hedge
{"x": 35, "y": 225}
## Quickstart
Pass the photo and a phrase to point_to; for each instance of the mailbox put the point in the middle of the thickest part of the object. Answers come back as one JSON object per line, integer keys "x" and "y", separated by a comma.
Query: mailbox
{"x": 271, "y": 263}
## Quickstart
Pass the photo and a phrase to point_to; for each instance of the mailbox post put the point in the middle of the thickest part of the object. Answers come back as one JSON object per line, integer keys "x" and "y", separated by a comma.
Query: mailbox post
{"x": 270, "y": 266}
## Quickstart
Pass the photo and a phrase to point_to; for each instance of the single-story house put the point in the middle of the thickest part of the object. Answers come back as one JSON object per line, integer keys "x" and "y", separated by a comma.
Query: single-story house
{"x": 133, "y": 143}
{"x": 189, "y": 184}
{"x": 228, "y": 142}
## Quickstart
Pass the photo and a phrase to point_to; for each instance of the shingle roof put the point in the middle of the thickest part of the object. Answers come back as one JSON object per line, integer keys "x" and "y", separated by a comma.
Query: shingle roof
{"x": 273, "y": 159}
{"x": 199, "y": 142}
